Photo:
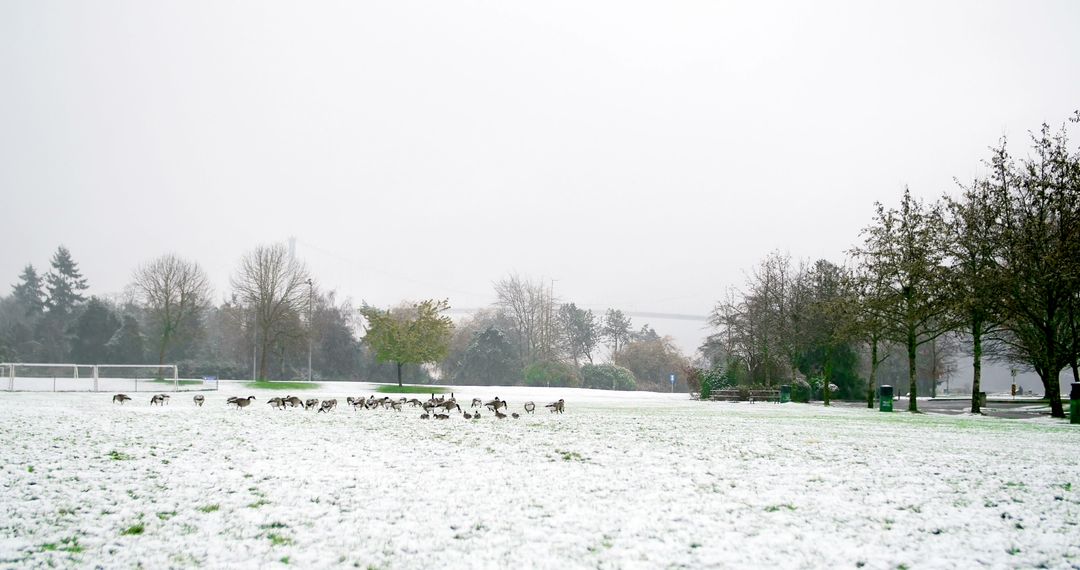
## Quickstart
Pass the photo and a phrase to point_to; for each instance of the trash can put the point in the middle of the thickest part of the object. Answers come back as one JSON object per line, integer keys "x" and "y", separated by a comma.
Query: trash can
{"x": 1074, "y": 404}
{"x": 885, "y": 394}
{"x": 785, "y": 393}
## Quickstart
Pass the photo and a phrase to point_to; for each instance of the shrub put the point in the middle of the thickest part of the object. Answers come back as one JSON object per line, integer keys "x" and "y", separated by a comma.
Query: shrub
{"x": 551, "y": 373}
{"x": 607, "y": 377}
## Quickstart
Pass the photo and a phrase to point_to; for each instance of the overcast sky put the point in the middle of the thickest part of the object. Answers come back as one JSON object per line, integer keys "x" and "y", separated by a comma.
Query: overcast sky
{"x": 641, "y": 154}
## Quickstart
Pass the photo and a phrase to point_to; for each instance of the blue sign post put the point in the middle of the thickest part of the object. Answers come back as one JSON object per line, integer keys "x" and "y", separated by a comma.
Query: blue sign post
{"x": 672, "y": 382}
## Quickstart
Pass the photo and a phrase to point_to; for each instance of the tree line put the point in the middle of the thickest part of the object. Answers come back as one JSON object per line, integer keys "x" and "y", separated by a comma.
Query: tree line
{"x": 993, "y": 270}
{"x": 275, "y": 311}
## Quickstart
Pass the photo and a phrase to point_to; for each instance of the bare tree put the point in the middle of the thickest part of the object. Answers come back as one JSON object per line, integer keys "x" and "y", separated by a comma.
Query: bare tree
{"x": 274, "y": 286}
{"x": 532, "y": 308}
{"x": 173, "y": 291}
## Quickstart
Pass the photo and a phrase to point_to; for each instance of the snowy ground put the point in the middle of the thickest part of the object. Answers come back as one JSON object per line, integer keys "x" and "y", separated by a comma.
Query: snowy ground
{"x": 621, "y": 480}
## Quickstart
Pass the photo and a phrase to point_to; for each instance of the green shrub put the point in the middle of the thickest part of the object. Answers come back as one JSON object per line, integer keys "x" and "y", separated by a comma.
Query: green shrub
{"x": 607, "y": 377}
{"x": 551, "y": 373}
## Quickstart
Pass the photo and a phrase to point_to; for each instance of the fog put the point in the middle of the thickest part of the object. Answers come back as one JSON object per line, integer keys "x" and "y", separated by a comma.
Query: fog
{"x": 637, "y": 155}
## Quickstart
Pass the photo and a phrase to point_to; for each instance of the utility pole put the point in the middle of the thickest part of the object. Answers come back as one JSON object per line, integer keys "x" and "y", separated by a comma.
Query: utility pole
{"x": 310, "y": 295}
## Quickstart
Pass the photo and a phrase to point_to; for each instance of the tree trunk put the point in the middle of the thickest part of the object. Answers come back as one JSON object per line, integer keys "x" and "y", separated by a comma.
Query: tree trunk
{"x": 1053, "y": 382}
{"x": 828, "y": 375}
{"x": 871, "y": 384}
{"x": 976, "y": 365}
{"x": 262, "y": 361}
{"x": 913, "y": 389}
{"x": 399, "y": 373}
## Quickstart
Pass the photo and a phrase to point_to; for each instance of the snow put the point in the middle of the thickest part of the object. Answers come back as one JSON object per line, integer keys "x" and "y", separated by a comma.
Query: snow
{"x": 621, "y": 480}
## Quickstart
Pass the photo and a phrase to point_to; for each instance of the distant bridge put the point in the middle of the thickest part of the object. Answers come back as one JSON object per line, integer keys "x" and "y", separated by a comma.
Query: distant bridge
{"x": 639, "y": 314}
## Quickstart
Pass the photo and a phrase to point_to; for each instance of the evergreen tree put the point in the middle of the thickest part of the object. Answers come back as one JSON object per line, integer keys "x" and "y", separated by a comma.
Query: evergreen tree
{"x": 64, "y": 283}
{"x": 28, "y": 291}
{"x": 127, "y": 345}
{"x": 93, "y": 329}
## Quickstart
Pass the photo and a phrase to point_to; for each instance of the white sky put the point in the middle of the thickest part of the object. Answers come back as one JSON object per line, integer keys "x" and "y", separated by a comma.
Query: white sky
{"x": 642, "y": 154}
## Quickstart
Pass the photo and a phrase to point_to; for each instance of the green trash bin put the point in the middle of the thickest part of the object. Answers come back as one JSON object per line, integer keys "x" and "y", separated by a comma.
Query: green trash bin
{"x": 885, "y": 394}
{"x": 785, "y": 393}
{"x": 1074, "y": 404}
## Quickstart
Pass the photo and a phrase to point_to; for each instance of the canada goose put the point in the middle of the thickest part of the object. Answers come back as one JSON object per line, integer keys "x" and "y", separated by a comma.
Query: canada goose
{"x": 450, "y": 405}
{"x": 199, "y": 399}
{"x": 515, "y": 415}
{"x": 476, "y": 416}
{"x": 242, "y": 402}
{"x": 414, "y": 402}
{"x": 442, "y": 417}
{"x": 121, "y": 398}
{"x": 499, "y": 415}
{"x": 311, "y": 403}
{"x": 529, "y": 407}
{"x": 293, "y": 401}
{"x": 468, "y": 416}
{"x": 276, "y": 403}
{"x": 157, "y": 399}
{"x": 327, "y": 405}
{"x": 164, "y": 398}
{"x": 424, "y": 416}
{"x": 556, "y": 406}
{"x": 396, "y": 406}
{"x": 495, "y": 404}
{"x": 476, "y": 403}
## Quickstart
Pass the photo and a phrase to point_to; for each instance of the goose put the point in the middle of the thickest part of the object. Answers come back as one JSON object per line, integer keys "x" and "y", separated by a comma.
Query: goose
{"x": 476, "y": 403}
{"x": 424, "y": 416}
{"x": 120, "y": 398}
{"x": 529, "y": 407}
{"x": 515, "y": 415}
{"x": 500, "y": 415}
{"x": 556, "y": 406}
{"x": 276, "y": 403}
{"x": 157, "y": 399}
{"x": 476, "y": 416}
{"x": 414, "y": 402}
{"x": 327, "y": 405}
{"x": 495, "y": 404}
{"x": 293, "y": 401}
{"x": 242, "y": 402}
{"x": 199, "y": 399}
{"x": 311, "y": 403}
{"x": 164, "y": 398}
{"x": 468, "y": 416}
{"x": 442, "y": 417}
{"x": 396, "y": 406}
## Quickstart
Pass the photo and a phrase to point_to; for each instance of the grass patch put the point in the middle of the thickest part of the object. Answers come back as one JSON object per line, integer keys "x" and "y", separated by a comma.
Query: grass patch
{"x": 279, "y": 540}
{"x": 118, "y": 456}
{"x": 395, "y": 389}
{"x": 774, "y": 508}
{"x": 166, "y": 515}
{"x": 570, "y": 455}
{"x": 269, "y": 385}
{"x": 209, "y": 508}
{"x": 260, "y": 502}
{"x": 135, "y": 529}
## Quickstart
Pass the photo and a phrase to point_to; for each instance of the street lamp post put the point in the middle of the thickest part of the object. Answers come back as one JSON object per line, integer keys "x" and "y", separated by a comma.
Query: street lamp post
{"x": 311, "y": 288}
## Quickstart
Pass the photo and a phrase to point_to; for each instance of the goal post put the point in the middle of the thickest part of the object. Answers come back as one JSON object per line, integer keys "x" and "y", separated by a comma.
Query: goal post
{"x": 65, "y": 377}
{"x": 69, "y": 370}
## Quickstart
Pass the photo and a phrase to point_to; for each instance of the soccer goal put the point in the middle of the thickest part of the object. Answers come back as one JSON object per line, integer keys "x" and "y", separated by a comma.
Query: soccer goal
{"x": 44, "y": 377}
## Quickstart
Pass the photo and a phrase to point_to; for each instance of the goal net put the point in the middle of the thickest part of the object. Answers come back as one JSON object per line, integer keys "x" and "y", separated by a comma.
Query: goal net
{"x": 38, "y": 377}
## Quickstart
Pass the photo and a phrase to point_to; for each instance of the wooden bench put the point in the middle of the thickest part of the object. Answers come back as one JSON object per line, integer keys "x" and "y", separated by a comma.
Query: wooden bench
{"x": 736, "y": 395}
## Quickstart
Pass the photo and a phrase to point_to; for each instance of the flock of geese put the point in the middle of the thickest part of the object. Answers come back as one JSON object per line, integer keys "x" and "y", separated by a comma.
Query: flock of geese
{"x": 438, "y": 408}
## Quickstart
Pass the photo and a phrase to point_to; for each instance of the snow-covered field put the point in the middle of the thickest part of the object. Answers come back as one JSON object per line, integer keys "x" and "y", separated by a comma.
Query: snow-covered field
{"x": 621, "y": 480}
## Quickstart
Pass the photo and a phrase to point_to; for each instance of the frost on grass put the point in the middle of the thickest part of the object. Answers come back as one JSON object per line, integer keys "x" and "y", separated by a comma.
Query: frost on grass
{"x": 620, "y": 480}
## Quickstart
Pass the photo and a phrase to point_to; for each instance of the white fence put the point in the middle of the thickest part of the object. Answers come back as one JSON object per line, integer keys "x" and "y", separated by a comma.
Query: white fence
{"x": 67, "y": 378}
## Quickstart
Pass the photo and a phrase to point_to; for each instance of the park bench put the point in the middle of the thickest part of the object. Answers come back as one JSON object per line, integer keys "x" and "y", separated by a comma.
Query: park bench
{"x": 737, "y": 395}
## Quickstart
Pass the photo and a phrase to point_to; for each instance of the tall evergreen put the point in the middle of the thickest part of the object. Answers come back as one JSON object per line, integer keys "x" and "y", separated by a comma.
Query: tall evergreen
{"x": 127, "y": 345}
{"x": 28, "y": 291}
{"x": 64, "y": 283}
{"x": 92, "y": 331}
